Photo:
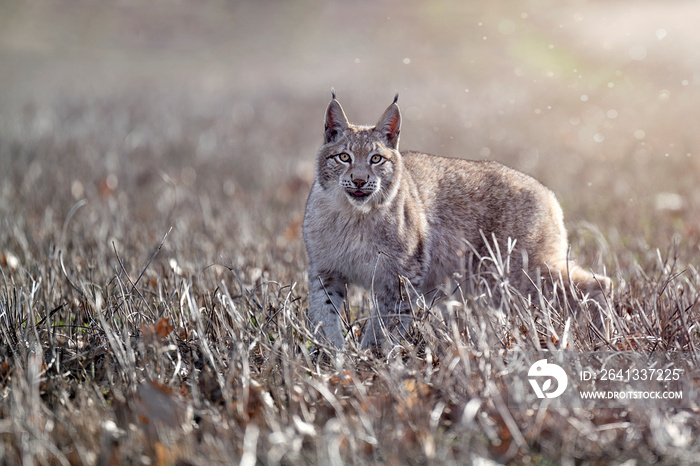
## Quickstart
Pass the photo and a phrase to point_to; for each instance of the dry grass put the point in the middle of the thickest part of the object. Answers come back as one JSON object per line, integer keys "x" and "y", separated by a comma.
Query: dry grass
{"x": 153, "y": 288}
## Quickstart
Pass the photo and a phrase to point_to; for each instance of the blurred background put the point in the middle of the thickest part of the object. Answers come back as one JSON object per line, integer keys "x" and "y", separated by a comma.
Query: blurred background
{"x": 119, "y": 120}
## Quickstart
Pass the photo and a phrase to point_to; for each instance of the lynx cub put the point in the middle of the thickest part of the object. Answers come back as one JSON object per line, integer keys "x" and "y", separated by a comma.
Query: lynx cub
{"x": 393, "y": 222}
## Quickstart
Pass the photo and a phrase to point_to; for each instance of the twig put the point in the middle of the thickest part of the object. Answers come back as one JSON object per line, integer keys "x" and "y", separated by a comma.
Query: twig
{"x": 65, "y": 274}
{"x": 133, "y": 284}
{"x": 50, "y": 314}
{"x": 250, "y": 295}
{"x": 155, "y": 253}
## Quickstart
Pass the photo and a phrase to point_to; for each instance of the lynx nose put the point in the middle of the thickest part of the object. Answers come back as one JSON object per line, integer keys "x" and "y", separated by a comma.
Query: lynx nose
{"x": 359, "y": 182}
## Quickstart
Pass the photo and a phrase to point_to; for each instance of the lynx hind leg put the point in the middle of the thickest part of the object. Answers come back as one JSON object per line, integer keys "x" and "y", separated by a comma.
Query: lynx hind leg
{"x": 326, "y": 296}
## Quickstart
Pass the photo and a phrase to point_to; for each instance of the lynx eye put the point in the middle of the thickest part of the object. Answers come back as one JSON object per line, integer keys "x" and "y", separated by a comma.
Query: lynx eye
{"x": 376, "y": 158}
{"x": 344, "y": 157}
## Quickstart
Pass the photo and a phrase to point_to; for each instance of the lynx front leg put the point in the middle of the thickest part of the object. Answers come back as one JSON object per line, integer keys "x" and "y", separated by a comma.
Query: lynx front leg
{"x": 391, "y": 314}
{"x": 326, "y": 296}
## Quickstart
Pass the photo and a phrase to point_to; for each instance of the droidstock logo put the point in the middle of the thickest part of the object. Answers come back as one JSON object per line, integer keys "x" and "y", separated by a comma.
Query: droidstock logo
{"x": 545, "y": 371}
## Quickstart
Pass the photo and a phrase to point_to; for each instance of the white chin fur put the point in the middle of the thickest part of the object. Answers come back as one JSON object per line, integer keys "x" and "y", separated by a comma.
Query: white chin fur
{"x": 364, "y": 205}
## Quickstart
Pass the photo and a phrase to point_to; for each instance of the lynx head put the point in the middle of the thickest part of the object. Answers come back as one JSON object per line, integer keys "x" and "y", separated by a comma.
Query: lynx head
{"x": 360, "y": 164}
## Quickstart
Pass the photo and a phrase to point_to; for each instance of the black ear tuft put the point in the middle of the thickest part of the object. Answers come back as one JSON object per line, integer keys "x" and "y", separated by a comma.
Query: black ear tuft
{"x": 333, "y": 93}
{"x": 396, "y": 98}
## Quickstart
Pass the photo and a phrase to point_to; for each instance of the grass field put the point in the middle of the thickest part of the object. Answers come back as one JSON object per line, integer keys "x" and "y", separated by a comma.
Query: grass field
{"x": 154, "y": 164}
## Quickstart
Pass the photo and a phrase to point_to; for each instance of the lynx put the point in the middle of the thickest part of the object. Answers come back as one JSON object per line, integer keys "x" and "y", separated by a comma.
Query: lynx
{"x": 395, "y": 221}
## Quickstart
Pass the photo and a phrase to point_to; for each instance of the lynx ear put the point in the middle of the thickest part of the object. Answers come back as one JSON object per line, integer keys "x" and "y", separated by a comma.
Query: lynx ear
{"x": 390, "y": 124}
{"x": 336, "y": 121}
